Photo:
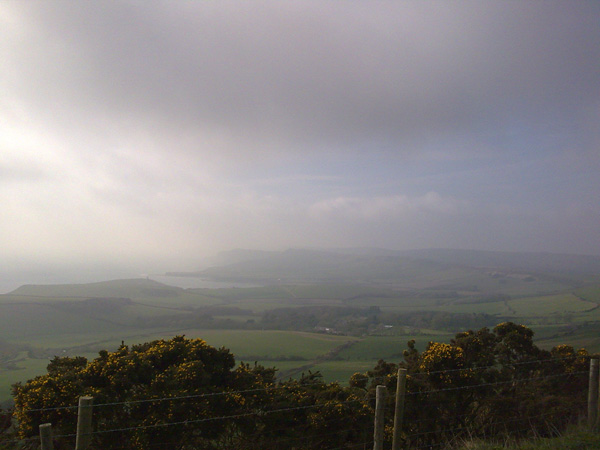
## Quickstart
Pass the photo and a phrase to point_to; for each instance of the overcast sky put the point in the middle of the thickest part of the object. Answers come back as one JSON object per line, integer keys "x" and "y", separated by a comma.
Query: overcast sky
{"x": 149, "y": 135}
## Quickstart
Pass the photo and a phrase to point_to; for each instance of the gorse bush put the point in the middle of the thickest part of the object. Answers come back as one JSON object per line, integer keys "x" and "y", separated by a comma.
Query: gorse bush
{"x": 485, "y": 383}
{"x": 184, "y": 394}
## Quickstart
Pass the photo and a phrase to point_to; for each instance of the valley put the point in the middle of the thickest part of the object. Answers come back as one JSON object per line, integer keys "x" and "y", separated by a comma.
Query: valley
{"x": 340, "y": 319}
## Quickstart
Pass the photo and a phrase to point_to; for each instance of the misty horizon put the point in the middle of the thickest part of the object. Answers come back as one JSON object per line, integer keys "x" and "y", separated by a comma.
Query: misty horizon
{"x": 53, "y": 275}
{"x": 141, "y": 138}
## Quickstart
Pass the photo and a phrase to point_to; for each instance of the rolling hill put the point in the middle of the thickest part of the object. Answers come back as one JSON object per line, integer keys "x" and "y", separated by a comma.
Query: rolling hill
{"x": 416, "y": 268}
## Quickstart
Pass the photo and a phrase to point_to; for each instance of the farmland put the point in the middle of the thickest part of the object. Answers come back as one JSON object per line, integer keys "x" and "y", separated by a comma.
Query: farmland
{"x": 338, "y": 325}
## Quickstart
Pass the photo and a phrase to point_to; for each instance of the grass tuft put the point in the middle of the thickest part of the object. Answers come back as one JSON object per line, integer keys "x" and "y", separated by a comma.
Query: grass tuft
{"x": 573, "y": 439}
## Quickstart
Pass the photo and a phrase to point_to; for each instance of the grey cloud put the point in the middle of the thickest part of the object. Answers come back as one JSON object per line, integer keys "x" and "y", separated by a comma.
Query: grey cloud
{"x": 324, "y": 74}
{"x": 168, "y": 129}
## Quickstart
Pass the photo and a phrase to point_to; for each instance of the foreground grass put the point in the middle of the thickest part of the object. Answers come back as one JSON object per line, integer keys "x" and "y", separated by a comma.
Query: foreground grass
{"x": 579, "y": 439}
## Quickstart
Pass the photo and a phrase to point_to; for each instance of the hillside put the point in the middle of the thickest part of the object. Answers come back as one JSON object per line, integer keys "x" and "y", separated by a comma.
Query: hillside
{"x": 428, "y": 268}
{"x": 577, "y": 267}
{"x": 137, "y": 287}
{"x": 377, "y": 299}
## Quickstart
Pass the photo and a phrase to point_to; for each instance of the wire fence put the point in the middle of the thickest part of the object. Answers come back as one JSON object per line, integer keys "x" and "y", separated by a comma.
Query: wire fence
{"x": 275, "y": 386}
{"x": 435, "y": 417}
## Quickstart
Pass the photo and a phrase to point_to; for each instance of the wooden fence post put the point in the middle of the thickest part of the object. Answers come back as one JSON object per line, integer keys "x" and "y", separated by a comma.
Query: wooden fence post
{"x": 399, "y": 412}
{"x": 84, "y": 423}
{"x": 593, "y": 394}
{"x": 46, "y": 436}
{"x": 379, "y": 425}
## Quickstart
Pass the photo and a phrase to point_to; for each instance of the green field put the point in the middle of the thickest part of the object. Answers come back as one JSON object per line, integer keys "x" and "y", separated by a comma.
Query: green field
{"x": 269, "y": 345}
{"x": 373, "y": 348}
{"x": 364, "y": 355}
{"x": 286, "y": 350}
{"x": 38, "y": 322}
{"x": 590, "y": 293}
{"x": 27, "y": 368}
{"x": 549, "y": 304}
{"x": 341, "y": 371}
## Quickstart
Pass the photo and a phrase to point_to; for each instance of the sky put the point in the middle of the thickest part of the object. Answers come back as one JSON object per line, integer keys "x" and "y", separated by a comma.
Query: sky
{"x": 145, "y": 136}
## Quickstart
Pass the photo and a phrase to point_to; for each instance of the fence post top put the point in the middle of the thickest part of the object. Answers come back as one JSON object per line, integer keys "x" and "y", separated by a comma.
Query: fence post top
{"x": 86, "y": 401}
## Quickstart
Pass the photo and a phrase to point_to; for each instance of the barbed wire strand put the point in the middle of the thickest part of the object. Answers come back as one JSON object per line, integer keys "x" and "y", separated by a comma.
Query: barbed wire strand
{"x": 425, "y": 402}
{"x": 278, "y": 387}
{"x": 289, "y": 409}
{"x": 495, "y": 383}
{"x": 183, "y": 397}
{"x": 318, "y": 405}
{"x": 283, "y": 386}
{"x": 209, "y": 419}
{"x": 493, "y": 366}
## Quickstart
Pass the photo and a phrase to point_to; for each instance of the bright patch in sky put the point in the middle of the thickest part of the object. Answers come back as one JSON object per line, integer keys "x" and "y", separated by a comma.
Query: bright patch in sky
{"x": 146, "y": 136}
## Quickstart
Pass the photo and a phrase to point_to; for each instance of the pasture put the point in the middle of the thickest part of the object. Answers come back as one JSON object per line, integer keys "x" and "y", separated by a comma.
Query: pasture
{"x": 69, "y": 320}
{"x": 549, "y": 304}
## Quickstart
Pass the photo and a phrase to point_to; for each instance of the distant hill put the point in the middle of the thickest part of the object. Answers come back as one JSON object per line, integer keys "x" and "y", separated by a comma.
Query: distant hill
{"x": 415, "y": 267}
{"x": 298, "y": 265}
{"x": 239, "y": 255}
{"x": 130, "y": 288}
{"x": 550, "y": 263}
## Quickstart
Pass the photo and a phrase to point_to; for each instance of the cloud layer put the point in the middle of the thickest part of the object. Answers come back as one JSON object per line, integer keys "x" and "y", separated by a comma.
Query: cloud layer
{"x": 153, "y": 134}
